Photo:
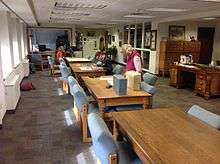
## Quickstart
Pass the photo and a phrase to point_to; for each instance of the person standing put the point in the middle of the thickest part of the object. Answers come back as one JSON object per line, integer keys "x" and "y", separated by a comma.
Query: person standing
{"x": 134, "y": 60}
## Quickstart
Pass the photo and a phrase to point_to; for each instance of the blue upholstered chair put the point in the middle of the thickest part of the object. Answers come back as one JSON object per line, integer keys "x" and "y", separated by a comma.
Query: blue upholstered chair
{"x": 205, "y": 116}
{"x": 65, "y": 73}
{"x": 145, "y": 87}
{"x": 118, "y": 69}
{"x": 72, "y": 81}
{"x": 82, "y": 107}
{"x": 54, "y": 69}
{"x": 106, "y": 148}
{"x": 150, "y": 78}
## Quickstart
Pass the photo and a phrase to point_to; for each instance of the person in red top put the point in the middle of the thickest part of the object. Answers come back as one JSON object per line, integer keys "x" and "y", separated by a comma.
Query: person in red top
{"x": 60, "y": 54}
{"x": 134, "y": 60}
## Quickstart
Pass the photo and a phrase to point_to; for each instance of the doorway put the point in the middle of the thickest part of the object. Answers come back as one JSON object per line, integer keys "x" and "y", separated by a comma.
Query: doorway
{"x": 206, "y": 37}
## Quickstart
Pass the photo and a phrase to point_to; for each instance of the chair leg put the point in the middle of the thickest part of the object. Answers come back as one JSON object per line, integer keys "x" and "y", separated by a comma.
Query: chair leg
{"x": 86, "y": 139}
{"x": 65, "y": 87}
{"x": 76, "y": 112}
{"x": 113, "y": 159}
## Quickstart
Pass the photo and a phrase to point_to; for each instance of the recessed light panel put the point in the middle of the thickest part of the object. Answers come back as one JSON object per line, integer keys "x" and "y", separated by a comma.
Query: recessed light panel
{"x": 209, "y": 0}
{"x": 166, "y": 10}
{"x": 72, "y": 5}
{"x": 139, "y": 16}
{"x": 209, "y": 18}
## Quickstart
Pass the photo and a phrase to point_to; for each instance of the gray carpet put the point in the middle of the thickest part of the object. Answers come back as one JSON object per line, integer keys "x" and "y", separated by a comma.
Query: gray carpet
{"x": 43, "y": 129}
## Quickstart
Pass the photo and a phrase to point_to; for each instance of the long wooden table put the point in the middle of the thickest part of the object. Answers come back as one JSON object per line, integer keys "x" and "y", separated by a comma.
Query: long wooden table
{"x": 169, "y": 136}
{"x": 77, "y": 60}
{"x": 86, "y": 69}
{"x": 107, "y": 97}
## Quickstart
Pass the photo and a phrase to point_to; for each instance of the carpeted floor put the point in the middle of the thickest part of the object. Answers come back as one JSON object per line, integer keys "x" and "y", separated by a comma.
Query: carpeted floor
{"x": 43, "y": 129}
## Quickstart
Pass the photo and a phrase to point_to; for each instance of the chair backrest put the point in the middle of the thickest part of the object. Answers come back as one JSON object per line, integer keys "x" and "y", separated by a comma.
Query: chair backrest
{"x": 80, "y": 97}
{"x": 65, "y": 73}
{"x": 148, "y": 88}
{"x": 50, "y": 60}
{"x": 150, "y": 78}
{"x": 206, "y": 116}
{"x": 72, "y": 81}
{"x": 102, "y": 140}
{"x": 118, "y": 69}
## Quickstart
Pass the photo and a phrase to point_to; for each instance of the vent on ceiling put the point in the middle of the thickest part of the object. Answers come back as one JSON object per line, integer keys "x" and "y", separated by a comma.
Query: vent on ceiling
{"x": 65, "y": 18}
{"x": 61, "y": 12}
{"x": 72, "y": 5}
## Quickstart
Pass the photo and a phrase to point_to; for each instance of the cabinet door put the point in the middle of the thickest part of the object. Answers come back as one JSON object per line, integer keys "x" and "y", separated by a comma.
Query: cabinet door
{"x": 173, "y": 76}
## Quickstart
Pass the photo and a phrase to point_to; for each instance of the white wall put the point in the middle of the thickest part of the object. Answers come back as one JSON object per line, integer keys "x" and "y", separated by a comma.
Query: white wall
{"x": 6, "y": 46}
{"x": 89, "y": 49}
{"x": 2, "y": 93}
{"x": 216, "y": 47}
{"x": 12, "y": 54}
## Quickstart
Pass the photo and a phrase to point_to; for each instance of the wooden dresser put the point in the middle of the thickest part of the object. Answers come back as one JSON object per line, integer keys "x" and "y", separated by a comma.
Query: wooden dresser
{"x": 205, "y": 80}
{"x": 170, "y": 52}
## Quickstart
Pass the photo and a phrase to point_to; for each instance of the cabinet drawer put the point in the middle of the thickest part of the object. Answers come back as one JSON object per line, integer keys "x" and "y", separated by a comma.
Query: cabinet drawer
{"x": 200, "y": 84}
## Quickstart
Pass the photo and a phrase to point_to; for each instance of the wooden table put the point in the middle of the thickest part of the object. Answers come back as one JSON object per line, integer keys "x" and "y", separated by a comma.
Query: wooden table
{"x": 169, "y": 136}
{"x": 77, "y": 60}
{"x": 203, "y": 79}
{"x": 106, "y": 97}
{"x": 86, "y": 69}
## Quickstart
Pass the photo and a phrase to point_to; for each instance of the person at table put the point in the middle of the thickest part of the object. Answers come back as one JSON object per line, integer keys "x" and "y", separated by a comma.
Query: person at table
{"x": 134, "y": 60}
{"x": 60, "y": 54}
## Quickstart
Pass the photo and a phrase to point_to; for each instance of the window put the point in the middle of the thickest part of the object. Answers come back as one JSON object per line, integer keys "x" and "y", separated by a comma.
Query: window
{"x": 139, "y": 35}
{"x": 146, "y": 59}
{"x": 132, "y": 35}
{"x": 126, "y": 29}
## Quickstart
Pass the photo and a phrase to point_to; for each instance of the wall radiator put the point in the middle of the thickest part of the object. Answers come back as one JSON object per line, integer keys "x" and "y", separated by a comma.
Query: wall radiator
{"x": 12, "y": 85}
{"x": 12, "y": 92}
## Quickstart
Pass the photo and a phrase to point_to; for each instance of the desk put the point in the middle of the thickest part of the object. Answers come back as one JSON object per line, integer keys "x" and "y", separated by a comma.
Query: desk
{"x": 77, "y": 60}
{"x": 106, "y": 97}
{"x": 206, "y": 79}
{"x": 86, "y": 69}
{"x": 169, "y": 136}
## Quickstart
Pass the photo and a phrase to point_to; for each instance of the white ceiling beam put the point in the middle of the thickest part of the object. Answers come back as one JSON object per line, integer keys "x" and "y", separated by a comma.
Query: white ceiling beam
{"x": 11, "y": 10}
{"x": 31, "y": 5}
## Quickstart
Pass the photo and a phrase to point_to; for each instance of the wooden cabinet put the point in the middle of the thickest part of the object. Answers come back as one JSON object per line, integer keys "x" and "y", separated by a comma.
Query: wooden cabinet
{"x": 170, "y": 52}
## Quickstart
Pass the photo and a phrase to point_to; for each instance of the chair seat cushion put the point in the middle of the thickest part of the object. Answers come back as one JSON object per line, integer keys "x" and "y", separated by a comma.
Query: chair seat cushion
{"x": 148, "y": 88}
{"x": 93, "y": 108}
{"x": 63, "y": 79}
{"x": 126, "y": 154}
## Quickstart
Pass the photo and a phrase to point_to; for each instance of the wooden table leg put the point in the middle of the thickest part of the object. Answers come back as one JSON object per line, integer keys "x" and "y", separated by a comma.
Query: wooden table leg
{"x": 115, "y": 130}
{"x": 101, "y": 104}
{"x": 147, "y": 103}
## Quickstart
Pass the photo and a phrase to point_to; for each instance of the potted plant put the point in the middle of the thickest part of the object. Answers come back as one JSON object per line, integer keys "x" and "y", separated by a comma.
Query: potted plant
{"x": 112, "y": 52}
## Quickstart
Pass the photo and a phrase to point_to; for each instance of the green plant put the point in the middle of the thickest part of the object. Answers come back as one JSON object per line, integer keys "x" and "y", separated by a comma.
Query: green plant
{"x": 112, "y": 51}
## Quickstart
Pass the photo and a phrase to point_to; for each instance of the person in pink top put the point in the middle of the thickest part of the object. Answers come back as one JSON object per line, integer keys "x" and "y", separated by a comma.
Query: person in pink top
{"x": 134, "y": 60}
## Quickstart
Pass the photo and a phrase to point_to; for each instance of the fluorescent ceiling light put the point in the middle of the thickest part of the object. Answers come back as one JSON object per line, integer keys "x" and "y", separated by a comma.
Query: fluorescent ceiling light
{"x": 75, "y": 5}
{"x": 165, "y": 10}
{"x": 139, "y": 16}
{"x": 61, "y": 12}
{"x": 209, "y": 18}
{"x": 120, "y": 20}
{"x": 209, "y": 0}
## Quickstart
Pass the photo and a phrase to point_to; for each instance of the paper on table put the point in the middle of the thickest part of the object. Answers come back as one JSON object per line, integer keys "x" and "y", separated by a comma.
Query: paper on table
{"x": 106, "y": 78}
{"x": 85, "y": 68}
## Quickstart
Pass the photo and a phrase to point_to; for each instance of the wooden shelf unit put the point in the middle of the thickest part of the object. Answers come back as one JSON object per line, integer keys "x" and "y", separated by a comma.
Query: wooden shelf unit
{"x": 170, "y": 52}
